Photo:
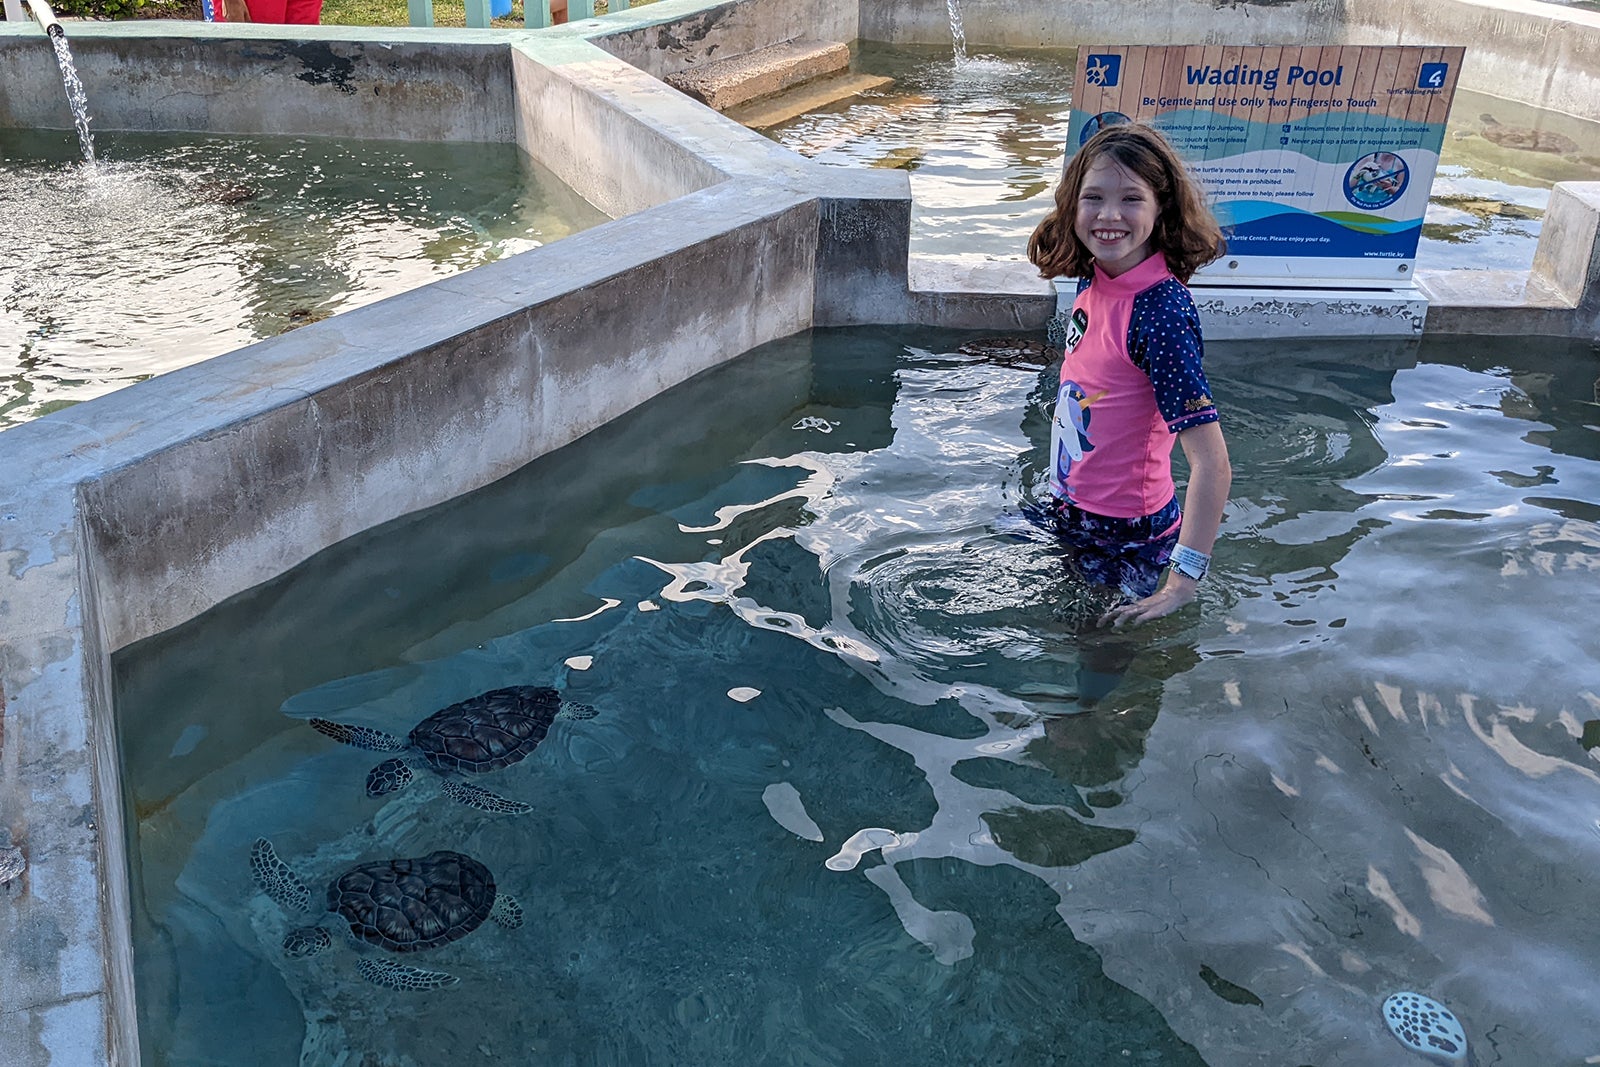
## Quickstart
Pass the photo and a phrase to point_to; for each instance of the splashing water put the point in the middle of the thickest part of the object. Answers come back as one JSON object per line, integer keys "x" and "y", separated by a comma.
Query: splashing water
{"x": 76, "y": 95}
{"x": 958, "y": 35}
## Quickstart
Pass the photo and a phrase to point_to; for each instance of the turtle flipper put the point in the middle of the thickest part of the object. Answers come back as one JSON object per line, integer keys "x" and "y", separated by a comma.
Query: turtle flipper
{"x": 506, "y": 911}
{"x": 276, "y": 878}
{"x": 475, "y": 797}
{"x": 306, "y": 941}
{"x": 394, "y": 975}
{"x": 359, "y": 736}
{"x": 573, "y": 710}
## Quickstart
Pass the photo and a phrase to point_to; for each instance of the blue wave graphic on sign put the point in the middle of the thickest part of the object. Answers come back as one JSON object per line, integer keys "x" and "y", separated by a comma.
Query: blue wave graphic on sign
{"x": 1239, "y": 212}
{"x": 1290, "y": 232}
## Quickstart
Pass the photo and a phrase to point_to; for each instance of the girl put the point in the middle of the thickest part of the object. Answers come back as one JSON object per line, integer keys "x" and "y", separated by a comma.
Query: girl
{"x": 1131, "y": 222}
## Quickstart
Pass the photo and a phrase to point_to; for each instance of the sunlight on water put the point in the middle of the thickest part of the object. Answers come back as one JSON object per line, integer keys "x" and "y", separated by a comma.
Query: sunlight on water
{"x": 856, "y": 792}
{"x": 169, "y": 251}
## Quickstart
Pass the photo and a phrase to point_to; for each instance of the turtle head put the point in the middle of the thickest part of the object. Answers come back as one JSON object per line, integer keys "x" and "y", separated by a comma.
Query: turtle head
{"x": 572, "y": 710}
{"x": 388, "y": 776}
{"x": 306, "y": 941}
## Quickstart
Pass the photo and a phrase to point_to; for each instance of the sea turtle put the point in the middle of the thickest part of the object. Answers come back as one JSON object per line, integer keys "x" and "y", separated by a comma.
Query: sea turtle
{"x": 1009, "y": 351}
{"x": 482, "y": 733}
{"x": 1528, "y": 138}
{"x": 402, "y": 905}
{"x": 226, "y": 192}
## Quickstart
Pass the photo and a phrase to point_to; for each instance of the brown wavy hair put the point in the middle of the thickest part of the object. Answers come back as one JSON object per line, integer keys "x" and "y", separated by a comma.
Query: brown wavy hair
{"x": 1186, "y": 232}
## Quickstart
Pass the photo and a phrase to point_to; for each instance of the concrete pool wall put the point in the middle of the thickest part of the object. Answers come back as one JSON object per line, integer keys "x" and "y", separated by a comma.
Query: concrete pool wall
{"x": 130, "y": 514}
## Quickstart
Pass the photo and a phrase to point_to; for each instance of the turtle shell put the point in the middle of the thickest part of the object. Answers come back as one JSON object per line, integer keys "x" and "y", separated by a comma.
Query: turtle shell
{"x": 488, "y": 731}
{"x": 410, "y": 904}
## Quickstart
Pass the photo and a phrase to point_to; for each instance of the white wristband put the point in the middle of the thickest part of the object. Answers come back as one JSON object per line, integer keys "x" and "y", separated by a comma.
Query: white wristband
{"x": 1189, "y": 562}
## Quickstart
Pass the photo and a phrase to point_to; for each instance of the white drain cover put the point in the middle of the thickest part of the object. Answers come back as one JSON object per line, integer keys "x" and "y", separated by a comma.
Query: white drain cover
{"x": 1423, "y": 1024}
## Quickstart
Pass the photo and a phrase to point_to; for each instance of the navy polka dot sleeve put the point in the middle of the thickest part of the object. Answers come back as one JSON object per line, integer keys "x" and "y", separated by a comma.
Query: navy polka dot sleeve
{"x": 1164, "y": 342}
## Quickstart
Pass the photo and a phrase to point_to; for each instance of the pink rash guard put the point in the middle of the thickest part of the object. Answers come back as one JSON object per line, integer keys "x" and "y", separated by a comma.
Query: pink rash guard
{"x": 1130, "y": 380}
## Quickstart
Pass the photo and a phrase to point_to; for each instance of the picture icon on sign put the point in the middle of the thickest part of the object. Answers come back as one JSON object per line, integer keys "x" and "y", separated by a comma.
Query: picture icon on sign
{"x": 1102, "y": 70}
{"x": 1097, "y": 122}
{"x": 1376, "y": 180}
{"x": 1432, "y": 75}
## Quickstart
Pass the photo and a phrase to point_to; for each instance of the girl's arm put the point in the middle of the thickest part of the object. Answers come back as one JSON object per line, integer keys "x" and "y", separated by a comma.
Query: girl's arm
{"x": 1210, "y": 477}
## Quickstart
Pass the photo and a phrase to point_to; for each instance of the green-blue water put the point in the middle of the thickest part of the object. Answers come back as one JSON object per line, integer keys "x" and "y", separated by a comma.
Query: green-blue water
{"x": 1357, "y": 766}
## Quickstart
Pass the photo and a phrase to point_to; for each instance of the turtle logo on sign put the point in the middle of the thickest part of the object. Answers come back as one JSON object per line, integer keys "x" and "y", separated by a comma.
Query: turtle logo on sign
{"x": 1103, "y": 70}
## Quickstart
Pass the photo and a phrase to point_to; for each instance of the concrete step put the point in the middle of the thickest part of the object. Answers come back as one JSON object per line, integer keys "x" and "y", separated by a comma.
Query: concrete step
{"x": 737, "y": 80}
{"x": 808, "y": 96}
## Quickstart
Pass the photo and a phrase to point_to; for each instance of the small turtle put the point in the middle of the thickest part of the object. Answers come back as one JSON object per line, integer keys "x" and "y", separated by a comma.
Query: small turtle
{"x": 403, "y": 905}
{"x": 226, "y": 192}
{"x": 480, "y": 734}
{"x": 1009, "y": 351}
{"x": 1527, "y": 138}
{"x": 305, "y": 317}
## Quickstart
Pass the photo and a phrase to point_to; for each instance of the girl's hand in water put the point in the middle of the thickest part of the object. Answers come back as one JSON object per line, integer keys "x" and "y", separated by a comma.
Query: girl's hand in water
{"x": 1174, "y": 593}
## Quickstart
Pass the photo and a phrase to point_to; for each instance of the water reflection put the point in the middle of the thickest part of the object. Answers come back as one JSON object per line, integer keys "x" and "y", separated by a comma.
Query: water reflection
{"x": 843, "y": 769}
{"x": 169, "y": 251}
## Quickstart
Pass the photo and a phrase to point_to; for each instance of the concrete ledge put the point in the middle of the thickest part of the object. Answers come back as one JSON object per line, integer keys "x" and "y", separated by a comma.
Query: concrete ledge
{"x": 736, "y": 80}
{"x": 1559, "y": 296}
{"x": 1568, "y": 256}
{"x": 1229, "y": 313}
{"x": 334, "y": 87}
{"x": 672, "y": 35}
{"x": 973, "y": 292}
{"x": 765, "y": 113}
{"x": 417, "y": 399}
{"x": 1029, "y": 24}
{"x": 599, "y": 143}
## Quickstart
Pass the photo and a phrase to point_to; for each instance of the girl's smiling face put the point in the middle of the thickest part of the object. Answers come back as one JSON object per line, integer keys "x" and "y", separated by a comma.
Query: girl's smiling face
{"x": 1117, "y": 212}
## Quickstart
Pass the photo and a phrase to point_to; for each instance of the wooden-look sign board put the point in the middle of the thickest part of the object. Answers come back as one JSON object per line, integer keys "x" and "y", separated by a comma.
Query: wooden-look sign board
{"x": 1318, "y": 161}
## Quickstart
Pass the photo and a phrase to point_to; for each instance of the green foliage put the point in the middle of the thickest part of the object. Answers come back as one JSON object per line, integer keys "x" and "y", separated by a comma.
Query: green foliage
{"x": 99, "y": 9}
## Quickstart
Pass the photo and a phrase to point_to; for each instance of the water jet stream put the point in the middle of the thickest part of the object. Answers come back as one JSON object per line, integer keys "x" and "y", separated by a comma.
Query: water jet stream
{"x": 76, "y": 95}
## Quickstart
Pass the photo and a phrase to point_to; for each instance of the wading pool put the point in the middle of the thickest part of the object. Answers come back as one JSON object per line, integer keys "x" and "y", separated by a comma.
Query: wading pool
{"x": 857, "y": 791}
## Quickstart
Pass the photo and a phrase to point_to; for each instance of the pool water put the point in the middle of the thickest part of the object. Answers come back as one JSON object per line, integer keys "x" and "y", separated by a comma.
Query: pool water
{"x": 984, "y": 141}
{"x": 175, "y": 248}
{"x": 859, "y": 792}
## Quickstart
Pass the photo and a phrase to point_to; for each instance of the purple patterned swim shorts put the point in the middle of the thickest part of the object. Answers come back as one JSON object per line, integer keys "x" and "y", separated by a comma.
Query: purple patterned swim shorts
{"x": 1125, "y": 554}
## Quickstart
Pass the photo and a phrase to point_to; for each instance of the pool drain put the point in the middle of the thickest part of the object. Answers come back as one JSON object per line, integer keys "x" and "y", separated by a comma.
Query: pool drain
{"x": 1424, "y": 1025}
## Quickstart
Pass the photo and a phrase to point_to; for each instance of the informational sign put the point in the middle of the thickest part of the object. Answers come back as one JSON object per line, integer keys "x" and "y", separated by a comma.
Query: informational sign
{"x": 1318, "y": 161}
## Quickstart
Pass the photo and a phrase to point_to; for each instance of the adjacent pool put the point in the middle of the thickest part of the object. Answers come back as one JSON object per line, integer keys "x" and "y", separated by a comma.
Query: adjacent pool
{"x": 176, "y": 248}
{"x": 983, "y": 142}
{"x": 858, "y": 791}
